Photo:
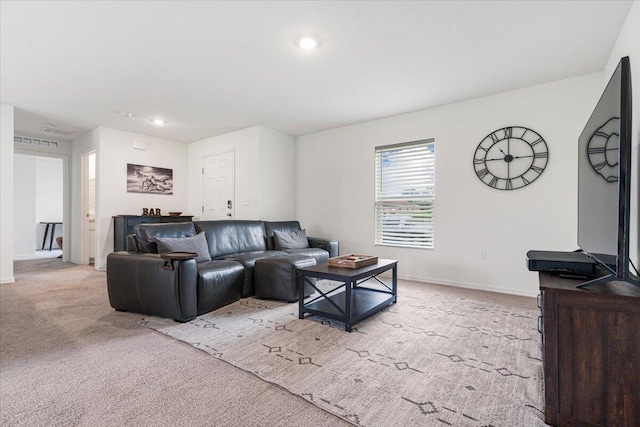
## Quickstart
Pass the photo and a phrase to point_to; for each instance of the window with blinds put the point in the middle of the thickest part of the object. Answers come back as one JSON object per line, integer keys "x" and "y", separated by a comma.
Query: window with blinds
{"x": 405, "y": 194}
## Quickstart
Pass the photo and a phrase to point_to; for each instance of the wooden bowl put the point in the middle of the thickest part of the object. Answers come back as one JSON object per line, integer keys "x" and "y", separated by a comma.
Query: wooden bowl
{"x": 175, "y": 213}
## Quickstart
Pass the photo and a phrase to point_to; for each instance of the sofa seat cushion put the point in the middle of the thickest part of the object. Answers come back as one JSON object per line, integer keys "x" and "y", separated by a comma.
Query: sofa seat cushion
{"x": 219, "y": 283}
{"x": 251, "y": 257}
{"x": 277, "y": 278}
{"x": 248, "y": 260}
{"x": 320, "y": 255}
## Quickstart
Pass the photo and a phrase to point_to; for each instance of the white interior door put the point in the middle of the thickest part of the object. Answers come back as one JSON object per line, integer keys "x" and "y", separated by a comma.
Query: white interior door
{"x": 218, "y": 200}
{"x": 89, "y": 208}
{"x": 91, "y": 220}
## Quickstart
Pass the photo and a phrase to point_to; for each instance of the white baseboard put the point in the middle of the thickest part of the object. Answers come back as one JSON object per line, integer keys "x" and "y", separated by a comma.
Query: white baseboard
{"x": 475, "y": 286}
{"x": 5, "y": 280}
{"x": 76, "y": 261}
{"x": 21, "y": 257}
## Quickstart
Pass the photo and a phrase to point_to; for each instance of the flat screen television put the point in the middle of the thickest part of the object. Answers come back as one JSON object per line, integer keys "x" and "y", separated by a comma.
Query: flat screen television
{"x": 604, "y": 181}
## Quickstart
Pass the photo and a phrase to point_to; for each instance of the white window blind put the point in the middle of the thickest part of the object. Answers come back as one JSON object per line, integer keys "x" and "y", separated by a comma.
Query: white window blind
{"x": 405, "y": 194}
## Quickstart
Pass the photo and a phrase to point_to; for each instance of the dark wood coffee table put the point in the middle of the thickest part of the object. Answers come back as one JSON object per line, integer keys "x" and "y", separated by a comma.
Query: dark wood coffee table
{"x": 355, "y": 302}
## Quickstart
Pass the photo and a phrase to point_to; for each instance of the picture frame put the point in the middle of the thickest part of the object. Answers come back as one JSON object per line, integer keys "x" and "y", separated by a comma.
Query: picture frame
{"x": 149, "y": 179}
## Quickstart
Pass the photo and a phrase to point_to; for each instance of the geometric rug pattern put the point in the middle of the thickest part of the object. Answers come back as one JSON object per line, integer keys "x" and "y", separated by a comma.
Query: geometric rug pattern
{"x": 431, "y": 359}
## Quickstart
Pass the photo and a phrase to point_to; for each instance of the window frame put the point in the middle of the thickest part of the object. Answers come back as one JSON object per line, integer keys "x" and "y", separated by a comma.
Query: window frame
{"x": 426, "y": 240}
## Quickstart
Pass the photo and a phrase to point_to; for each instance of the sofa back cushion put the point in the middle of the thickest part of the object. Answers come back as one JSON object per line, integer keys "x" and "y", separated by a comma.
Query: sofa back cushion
{"x": 282, "y": 226}
{"x": 251, "y": 236}
{"x": 146, "y": 234}
{"x": 222, "y": 237}
{"x": 232, "y": 237}
{"x": 290, "y": 240}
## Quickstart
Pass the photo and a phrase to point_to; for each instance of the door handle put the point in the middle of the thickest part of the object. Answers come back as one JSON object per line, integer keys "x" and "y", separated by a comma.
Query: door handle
{"x": 228, "y": 204}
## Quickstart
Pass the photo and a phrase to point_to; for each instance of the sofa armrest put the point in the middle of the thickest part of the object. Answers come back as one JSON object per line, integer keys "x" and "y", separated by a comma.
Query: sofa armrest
{"x": 138, "y": 283}
{"x": 328, "y": 245}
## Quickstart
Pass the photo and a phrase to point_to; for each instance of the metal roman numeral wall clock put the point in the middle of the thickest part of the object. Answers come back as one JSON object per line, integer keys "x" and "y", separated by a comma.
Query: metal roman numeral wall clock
{"x": 510, "y": 158}
{"x": 602, "y": 149}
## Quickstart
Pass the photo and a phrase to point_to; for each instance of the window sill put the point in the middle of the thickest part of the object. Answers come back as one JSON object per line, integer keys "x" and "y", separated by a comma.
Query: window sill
{"x": 404, "y": 246}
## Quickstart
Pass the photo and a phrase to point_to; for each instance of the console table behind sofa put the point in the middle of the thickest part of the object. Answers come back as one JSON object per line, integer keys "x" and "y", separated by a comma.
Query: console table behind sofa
{"x": 123, "y": 226}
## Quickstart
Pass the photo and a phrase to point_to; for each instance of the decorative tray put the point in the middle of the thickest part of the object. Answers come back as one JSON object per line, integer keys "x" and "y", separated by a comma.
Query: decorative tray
{"x": 169, "y": 257}
{"x": 178, "y": 255}
{"x": 353, "y": 261}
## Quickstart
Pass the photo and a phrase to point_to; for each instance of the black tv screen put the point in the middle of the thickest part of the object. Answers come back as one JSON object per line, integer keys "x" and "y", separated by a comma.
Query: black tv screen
{"x": 604, "y": 177}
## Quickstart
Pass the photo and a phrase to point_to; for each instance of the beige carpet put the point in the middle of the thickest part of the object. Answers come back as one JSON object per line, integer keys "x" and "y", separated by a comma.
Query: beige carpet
{"x": 438, "y": 357}
{"x": 68, "y": 359}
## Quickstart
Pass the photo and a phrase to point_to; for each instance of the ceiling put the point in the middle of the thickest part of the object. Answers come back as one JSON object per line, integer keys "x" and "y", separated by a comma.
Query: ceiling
{"x": 209, "y": 68}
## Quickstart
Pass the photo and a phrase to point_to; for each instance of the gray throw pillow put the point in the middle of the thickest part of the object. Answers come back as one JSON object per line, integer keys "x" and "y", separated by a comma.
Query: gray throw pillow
{"x": 290, "y": 239}
{"x": 197, "y": 244}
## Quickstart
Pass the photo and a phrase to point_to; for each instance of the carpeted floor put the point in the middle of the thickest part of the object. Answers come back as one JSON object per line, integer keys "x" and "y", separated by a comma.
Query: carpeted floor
{"x": 67, "y": 358}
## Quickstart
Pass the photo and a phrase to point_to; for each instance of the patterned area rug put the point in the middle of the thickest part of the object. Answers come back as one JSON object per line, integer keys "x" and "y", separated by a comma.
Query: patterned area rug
{"x": 433, "y": 358}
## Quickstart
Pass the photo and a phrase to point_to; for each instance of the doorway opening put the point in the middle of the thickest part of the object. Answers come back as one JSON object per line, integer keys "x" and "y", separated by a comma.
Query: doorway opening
{"x": 38, "y": 206}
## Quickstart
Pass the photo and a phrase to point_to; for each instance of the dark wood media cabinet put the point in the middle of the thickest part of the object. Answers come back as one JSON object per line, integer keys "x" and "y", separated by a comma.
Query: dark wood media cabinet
{"x": 123, "y": 226}
{"x": 591, "y": 353}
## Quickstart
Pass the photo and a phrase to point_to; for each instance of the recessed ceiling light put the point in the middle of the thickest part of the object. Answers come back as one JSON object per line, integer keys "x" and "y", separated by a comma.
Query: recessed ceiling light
{"x": 308, "y": 42}
{"x": 126, "y": 114}
{"x": 158, "y": 122}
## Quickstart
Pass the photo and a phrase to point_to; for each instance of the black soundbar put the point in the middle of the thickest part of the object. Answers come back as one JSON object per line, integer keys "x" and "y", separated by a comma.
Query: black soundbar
{"x": 570, "y": 263}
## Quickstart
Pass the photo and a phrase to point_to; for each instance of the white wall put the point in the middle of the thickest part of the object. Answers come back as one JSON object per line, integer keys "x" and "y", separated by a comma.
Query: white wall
{"x": 115, "y": 151}
{"x": 264, "y": 175}
{"x": 335, "y": 191}
{"x": 24, "y": 206}
{"x": 277, "y": 175}
{"x": 246, "y": 145}
{"x": 6, "y": 194}
{"x": 628, "y": 44}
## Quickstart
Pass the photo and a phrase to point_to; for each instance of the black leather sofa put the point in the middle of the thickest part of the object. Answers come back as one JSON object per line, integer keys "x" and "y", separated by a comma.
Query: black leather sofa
{"x": 137, "y": 282}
